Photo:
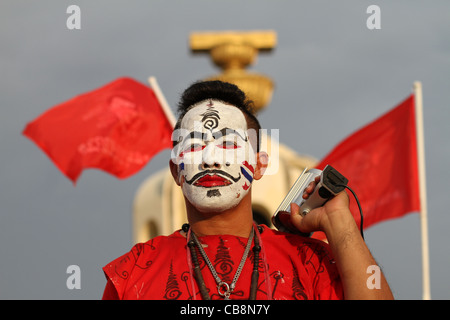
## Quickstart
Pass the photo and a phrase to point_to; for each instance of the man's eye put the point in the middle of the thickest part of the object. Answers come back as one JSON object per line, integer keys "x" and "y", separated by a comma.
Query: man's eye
{"x": 194, "y": 147}
{"x": 228, "y": 145}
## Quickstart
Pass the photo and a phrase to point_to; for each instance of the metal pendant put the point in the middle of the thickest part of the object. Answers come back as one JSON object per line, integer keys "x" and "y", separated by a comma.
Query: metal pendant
{"x": 224, "y": 290}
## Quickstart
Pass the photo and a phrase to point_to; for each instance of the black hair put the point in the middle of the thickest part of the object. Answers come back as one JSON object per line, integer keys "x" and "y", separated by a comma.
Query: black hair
{"x": 222, "y": 91}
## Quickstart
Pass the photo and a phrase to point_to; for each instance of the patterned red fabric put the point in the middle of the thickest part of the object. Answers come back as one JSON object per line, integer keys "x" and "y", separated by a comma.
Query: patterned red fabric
{"x": 298, "y": 268}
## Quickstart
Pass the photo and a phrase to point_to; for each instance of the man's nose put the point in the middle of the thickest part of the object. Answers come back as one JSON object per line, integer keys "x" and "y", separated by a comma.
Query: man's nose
{"x": 209, "y": 157}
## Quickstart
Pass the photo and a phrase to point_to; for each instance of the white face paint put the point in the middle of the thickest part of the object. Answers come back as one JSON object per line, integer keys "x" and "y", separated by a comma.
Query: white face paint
{"x": 215, "y": 158}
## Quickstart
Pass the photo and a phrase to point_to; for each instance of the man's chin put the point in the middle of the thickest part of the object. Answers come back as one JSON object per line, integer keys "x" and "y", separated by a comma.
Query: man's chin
{"x": 213, "y": 206}
{"x": 213, "y": 200}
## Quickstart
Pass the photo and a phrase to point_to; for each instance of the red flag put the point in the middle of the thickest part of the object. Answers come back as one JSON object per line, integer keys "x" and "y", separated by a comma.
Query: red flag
{"x": 117, "y": 128}
{"x": 380, "y": 162}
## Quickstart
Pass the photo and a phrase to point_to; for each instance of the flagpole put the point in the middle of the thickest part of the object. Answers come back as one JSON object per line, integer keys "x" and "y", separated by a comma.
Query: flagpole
{"x": 426, "y": 295}
{"x": 162, "y": 100}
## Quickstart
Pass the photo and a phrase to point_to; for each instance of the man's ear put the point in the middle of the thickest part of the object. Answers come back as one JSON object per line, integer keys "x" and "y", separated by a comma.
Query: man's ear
{"x": 262, "y": 161}
{"x": 174, "y": 171}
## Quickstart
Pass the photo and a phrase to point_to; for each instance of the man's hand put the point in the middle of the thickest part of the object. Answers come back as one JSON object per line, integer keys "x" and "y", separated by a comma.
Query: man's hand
{"x": 333, "y": 213}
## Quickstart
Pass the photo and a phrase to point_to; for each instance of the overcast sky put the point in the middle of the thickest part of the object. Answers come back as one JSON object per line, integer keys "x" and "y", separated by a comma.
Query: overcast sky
{"x": 328, "y": 68}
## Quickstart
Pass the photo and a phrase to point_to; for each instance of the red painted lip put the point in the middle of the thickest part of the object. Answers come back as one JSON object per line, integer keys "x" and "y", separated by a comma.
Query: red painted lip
{"x": 208, "y": 181}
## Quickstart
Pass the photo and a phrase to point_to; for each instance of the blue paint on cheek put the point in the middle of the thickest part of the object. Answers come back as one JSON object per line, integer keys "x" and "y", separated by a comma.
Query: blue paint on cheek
{"x": 246, "y": 175}
{"x": 181, "y": 166}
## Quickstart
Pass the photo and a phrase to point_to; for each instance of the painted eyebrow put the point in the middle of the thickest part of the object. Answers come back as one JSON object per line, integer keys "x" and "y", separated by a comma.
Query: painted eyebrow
{"x": 218, "y": 134}
{"x": 225, "y": 131}
{"x": 195, "y": 135}
{"x": 191, "y": 135}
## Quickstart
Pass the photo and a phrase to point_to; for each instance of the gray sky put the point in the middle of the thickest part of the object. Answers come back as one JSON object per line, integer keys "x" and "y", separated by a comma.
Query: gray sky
{"x": 328, "y": 67}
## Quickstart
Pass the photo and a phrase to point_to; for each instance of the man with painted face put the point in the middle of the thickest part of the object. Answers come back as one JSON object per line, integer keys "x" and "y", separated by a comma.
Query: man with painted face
{"x": 222, "y": 253}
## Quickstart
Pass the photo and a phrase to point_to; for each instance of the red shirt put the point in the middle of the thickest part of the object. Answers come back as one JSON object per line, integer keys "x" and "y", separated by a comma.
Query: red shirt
{"x": 291, "y": 267}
